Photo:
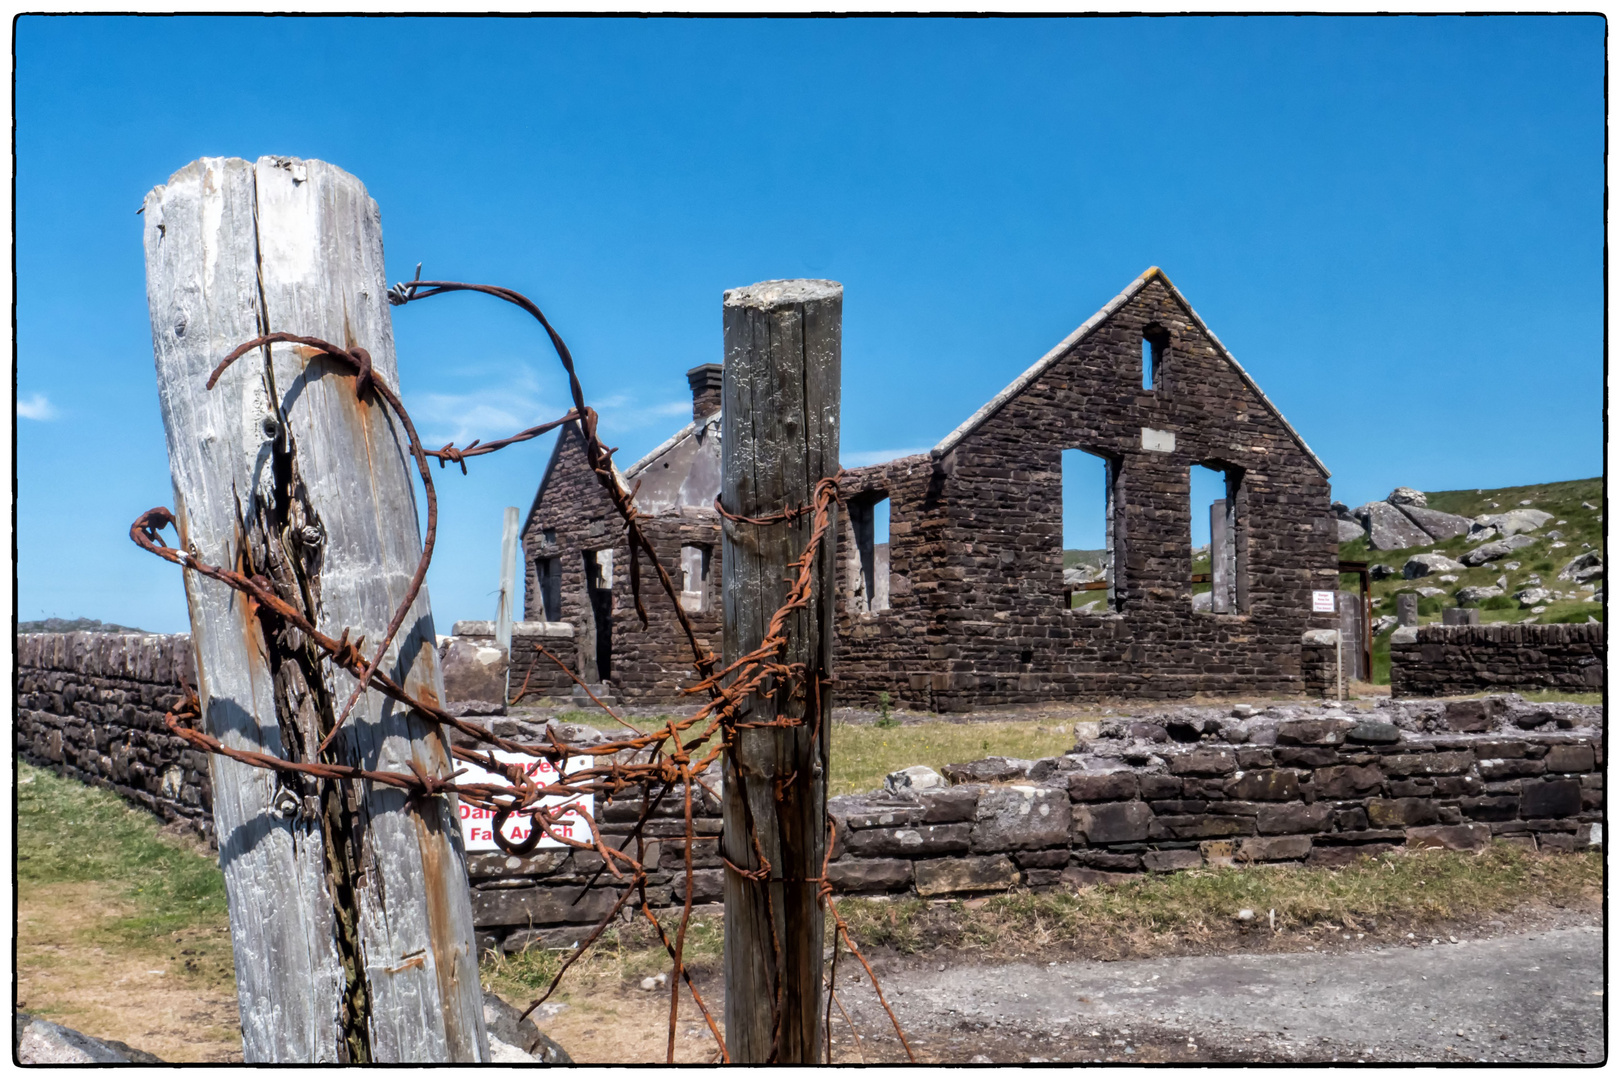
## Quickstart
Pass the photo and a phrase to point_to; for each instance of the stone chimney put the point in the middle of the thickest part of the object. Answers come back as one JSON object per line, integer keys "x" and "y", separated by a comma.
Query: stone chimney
{"x": 705, "y": 383}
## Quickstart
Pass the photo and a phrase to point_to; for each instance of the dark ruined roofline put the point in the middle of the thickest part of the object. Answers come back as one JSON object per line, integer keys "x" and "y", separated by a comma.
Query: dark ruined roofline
{"x": 1024, "y": 381}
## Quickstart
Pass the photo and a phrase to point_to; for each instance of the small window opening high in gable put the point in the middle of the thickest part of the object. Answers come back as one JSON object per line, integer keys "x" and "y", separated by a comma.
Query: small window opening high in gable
{"x": 1155, "y": 344}
{"x": 869, "y": 517}
{"x": 1218, "y": 567}
{"x": 1091, "y": 540}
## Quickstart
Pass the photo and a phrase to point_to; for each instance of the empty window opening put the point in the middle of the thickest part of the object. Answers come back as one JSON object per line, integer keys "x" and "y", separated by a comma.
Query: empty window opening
{"x": 599, "y": 591}
{"x": 695, "y": 562}
{"x": 870, "y": 519}
{"x": 1217, "y": 569}
{"x": 1154, "y": 343}
{"x": 548, "y": 578}
{"x": 548, "y": 536}
{"x": 1091, "y": 540}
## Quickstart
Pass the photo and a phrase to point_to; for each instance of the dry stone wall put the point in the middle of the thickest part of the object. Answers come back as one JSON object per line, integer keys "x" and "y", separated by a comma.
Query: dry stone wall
{"x": 1184, "y": 788}
{"x": 1436, "y": 661}
{"x": 91, "y": 706}
{"x": 1152, "y": 792}
{"x": 1318, "y": 787}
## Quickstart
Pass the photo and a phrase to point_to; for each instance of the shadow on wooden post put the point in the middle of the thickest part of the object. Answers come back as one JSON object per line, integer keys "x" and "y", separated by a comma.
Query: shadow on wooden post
{"x": 779, "y": 436}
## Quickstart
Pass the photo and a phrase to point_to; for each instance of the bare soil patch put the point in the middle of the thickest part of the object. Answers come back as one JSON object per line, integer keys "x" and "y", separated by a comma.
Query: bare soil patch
{"x": 160, "y": 999}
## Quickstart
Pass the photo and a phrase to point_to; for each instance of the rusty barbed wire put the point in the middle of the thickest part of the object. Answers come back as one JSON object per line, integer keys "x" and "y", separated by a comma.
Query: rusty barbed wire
{"x": 661, "y": 758}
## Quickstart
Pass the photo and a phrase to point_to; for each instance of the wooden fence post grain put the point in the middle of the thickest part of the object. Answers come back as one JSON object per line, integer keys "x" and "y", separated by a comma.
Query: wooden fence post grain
{"x": 779, "y": 436}
{"x": 350, "y": 916}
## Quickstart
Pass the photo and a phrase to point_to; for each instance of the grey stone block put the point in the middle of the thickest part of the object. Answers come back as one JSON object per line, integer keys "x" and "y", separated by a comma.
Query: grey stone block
{"x": 912, "y": 841}
{"x": 1021, "y": 817}
{"x": 1550, "y": 799}
{"x": 1264, "y": 785}
{"x": 869, "y": 875}
{"x": 1112, "y": 823}
{"x": 1167, "y": 861}
{"x": 973, "y": 873}
{"x": 1294, "y": 818}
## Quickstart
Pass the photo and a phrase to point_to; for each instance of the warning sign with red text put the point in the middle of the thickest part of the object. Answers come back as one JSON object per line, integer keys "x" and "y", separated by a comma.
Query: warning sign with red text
{"x": 477, "y": 824}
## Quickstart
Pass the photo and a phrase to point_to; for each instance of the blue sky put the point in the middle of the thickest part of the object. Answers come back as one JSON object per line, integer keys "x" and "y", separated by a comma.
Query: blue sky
{"x": 1394, "y": 224}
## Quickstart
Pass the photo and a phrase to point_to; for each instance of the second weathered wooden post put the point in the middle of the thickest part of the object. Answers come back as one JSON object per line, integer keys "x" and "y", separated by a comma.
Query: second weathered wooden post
{"x": 503, "y": 606}
{"x": 779, "y": 436}
{"x": 350, "y": 917}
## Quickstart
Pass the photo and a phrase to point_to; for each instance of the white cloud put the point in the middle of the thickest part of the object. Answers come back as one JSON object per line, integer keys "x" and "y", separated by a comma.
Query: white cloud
{"x": 489, "y": 412}
{"x": 36, "y": 407}
{"x": 876, "y": 457}
{"x": 622, "y": 416}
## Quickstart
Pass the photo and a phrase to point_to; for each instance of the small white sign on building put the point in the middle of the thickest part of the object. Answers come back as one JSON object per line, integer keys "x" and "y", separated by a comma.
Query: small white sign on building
{"x": 1163, "y": 442}
{"x": 1323, "y": 600}
{"x": 477, "y": 824}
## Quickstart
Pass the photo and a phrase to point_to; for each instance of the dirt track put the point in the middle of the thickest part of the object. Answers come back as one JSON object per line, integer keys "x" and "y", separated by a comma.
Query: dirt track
{"x": 1527, "y": 997}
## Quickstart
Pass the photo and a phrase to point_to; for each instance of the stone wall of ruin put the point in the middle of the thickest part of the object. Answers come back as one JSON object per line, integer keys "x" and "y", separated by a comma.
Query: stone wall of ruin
{"x": 649, "y": 663}
{"x": 1188, "y": 787}
{"x": 977, "y": 615}
{"x": 1439, "y": 661}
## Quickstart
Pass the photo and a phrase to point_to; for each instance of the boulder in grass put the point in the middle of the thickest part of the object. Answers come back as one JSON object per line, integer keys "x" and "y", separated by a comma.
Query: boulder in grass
{"x": 1579, "y": 568}
{"x": 1388, "y": 529}
{"x": 1515, "y": 522}
{"x": 1439, "y": 525}
{"x": 1350, "y": 530}
{"x": 1405, "y": 496}
{"x": 1496, "y": 549}
{"x": 1532, "y": 596}
{"x": 515, "y": 1039}
{"x": 1431, "y": 563}
{"x": 1473, "y": 594}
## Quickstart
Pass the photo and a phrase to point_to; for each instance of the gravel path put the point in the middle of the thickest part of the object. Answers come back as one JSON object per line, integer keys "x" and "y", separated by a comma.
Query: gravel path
{"x": 1528, "y": 997}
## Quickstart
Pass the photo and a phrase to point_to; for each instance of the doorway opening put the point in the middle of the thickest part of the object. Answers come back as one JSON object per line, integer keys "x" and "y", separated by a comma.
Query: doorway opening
{"x": 599, "y": 590}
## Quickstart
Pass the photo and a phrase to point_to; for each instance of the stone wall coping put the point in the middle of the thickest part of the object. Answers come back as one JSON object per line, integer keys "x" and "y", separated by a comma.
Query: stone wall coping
{"x": 1511, "y": 634}
{"x": 159, "y": 658}
{"x": 486, "y": 628}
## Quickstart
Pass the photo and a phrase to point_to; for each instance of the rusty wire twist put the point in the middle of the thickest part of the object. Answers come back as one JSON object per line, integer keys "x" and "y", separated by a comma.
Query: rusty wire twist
{"x": 639, "y": 762}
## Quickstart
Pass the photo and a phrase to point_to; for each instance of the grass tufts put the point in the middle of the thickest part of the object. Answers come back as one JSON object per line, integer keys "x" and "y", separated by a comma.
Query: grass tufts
{"x": 1154, "y": 914}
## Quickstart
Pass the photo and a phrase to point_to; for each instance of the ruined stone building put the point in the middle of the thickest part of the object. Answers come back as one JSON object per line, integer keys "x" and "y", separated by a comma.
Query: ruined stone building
{"x": 966, "y": 605}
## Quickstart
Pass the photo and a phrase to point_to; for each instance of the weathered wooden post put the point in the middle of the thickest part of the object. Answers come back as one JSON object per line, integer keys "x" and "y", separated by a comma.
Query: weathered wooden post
{"x": 779, "y": 436}
{"x": 503, "y": 606}
{"x": 350, "y": 916}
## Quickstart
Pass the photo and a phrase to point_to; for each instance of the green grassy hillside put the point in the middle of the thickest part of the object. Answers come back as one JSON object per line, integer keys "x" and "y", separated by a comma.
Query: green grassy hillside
{"x": 1076, "y": 556}
{"x": 1579, "y": 528}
